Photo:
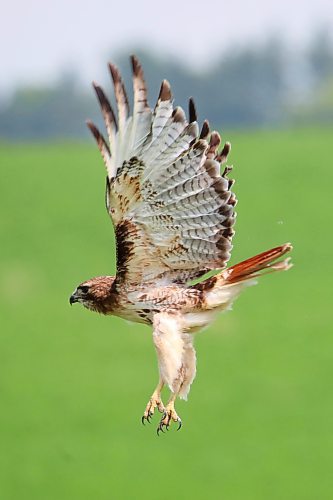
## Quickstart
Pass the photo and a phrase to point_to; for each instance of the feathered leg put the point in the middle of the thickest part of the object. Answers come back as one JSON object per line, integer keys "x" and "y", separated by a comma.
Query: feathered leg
{"x": 189, "y": 361}
{"x": 176, "y": 360}
{"x": 185, "y": 379}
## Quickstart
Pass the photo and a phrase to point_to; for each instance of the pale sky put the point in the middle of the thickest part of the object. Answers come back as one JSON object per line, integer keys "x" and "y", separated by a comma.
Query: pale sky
{"x": 41, "y": 38}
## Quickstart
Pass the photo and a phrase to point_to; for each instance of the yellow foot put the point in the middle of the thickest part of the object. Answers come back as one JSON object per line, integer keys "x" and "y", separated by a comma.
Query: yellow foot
{"x": 169, "y": 415}
{"x": 154, "y": 402}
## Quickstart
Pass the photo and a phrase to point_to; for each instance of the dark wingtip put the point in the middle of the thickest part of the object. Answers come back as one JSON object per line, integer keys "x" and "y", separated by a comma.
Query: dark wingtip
{"x": 114, "y": 73}
{"x": 178, "y": 115}
{"x": 93, "y": 129}
{"x": 104, "y": 102}
{"x": 165, "y": 92}
{"x": 204, "y": 130}
{"x": 136, "y": 66}
{"x": 215, "y": 140}
{"x": 100, "y": 95}
{"x": 192, "y": 110}
{"x": 226, "y": 149}
{"x": 118, "y": 85}
{"x": 98, "y": 136}
{"x": 223, "y": 156}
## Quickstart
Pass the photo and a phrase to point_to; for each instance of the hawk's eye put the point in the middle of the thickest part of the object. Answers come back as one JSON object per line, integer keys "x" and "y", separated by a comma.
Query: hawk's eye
{"x": 84, "y": 289}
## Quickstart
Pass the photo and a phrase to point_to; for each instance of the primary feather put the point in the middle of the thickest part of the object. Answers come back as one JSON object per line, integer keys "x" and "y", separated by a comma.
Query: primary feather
{"x": 172, "y": 210}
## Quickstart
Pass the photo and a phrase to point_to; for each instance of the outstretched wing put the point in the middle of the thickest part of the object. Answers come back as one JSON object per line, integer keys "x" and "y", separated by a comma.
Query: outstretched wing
{"x": 172, "y": 210}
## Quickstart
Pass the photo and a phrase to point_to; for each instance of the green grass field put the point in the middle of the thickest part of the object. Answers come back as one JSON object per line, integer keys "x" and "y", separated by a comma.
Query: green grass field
{"x": 73, "y": 385}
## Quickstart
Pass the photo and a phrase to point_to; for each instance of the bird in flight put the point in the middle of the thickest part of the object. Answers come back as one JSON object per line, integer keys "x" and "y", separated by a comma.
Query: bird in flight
{"x": 173, "y": 213}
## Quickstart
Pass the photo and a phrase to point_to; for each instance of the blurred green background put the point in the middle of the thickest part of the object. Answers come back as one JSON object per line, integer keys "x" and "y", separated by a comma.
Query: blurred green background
{"x": 73, "y": 385}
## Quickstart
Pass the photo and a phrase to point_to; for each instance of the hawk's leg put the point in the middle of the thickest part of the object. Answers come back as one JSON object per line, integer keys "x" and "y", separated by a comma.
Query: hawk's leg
{"x": 154, "y": 402}
{"x": 169, "y": 415}
{"x": 176, "y": 360}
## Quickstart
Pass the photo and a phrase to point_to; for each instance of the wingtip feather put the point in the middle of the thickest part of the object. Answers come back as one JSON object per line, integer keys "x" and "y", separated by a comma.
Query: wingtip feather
{"x": 165, "y": 91}
{"x": 204, "y": 130}
{"x": 104, "y": 102}
{"x": 93, "y": 129}
{"x": 114, "y": 73}
{"x": 192, "y": 111}
{"x": 99, "y": 138}
{"x": 136, "y": 66}
{"x": 223, "y": 156}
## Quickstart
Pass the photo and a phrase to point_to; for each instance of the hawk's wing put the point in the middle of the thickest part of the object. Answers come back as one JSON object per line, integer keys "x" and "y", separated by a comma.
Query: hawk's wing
{"x": 172, "y": 210}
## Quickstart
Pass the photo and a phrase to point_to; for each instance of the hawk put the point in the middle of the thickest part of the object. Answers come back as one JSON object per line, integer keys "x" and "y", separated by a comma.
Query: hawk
{"x": 173, "y": 213}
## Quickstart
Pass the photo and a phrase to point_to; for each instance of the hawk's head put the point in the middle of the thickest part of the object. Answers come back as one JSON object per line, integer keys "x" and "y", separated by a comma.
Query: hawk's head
{"x": 95, "y": 294}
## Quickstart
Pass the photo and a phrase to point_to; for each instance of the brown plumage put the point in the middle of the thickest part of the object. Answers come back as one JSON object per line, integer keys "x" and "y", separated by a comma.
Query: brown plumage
{"x": 173, "y": 213}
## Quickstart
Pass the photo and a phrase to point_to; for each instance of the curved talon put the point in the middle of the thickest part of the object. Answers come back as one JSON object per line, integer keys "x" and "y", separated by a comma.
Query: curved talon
{"x": 168, "y": 417}
{"x": 159, "y": 429}
{"x": 153, "y": 403}
{"x": 147, "y": 418}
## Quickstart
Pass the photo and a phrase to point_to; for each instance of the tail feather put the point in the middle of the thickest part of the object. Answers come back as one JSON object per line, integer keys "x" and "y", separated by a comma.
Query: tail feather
{"x": 221, "y": 290}
{"x": 265, "y": 262}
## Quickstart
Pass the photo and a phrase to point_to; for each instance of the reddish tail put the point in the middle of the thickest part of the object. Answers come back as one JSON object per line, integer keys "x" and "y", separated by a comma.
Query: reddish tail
{"x": 251, "y": 268}
{"x": 222, "y": 289}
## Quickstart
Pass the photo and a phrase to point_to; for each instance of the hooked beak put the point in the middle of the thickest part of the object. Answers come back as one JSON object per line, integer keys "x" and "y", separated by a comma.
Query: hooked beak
{"x": 73, "y": 299}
